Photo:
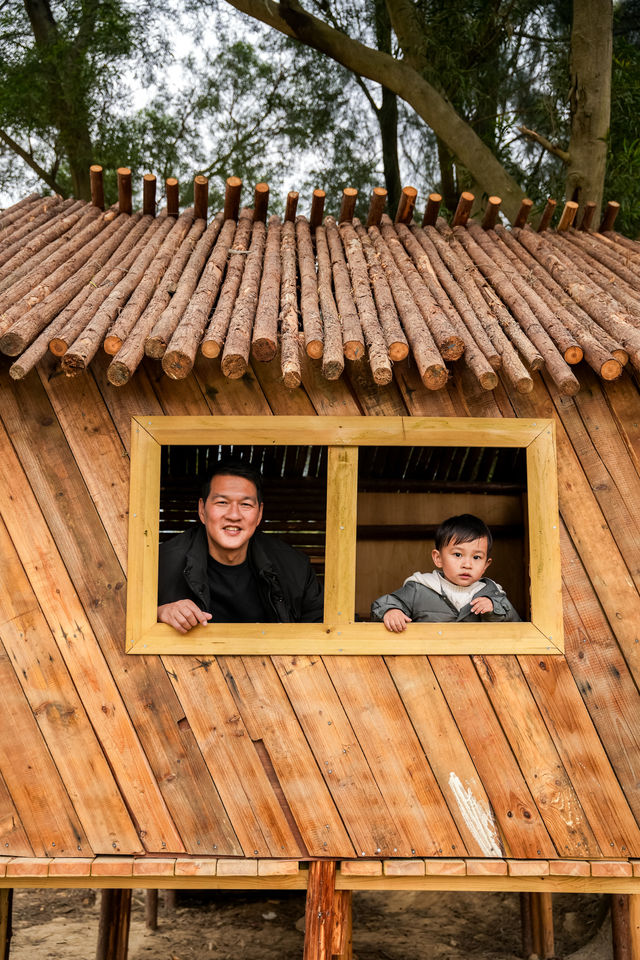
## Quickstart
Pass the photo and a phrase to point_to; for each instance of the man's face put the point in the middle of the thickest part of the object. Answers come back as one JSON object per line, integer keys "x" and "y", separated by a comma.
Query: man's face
{"x": 230, "y": 515}
{"x": 463, "y": 563}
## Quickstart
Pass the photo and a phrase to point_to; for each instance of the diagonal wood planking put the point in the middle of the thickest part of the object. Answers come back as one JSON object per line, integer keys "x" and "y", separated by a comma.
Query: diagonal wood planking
{"x": 13, "y": 838}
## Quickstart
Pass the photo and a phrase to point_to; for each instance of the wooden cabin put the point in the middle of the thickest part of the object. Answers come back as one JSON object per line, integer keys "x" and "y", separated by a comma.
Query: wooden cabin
{"x": 481, "y": 760}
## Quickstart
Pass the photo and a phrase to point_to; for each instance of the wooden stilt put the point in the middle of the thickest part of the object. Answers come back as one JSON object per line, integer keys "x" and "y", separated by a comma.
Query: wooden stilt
{"x": 526, "y": 925}
{"x": 621, "y": 926}
{"x": 97, "y": 187}
{"x": 634, "y": 924}
{"x": 124, "y": 190}
{"x": 535, "y": 926}
{"x": 545, "y": 939}
{"x": 170, "y": 900}
{"x": 431, "y": 210}
{"x": 6, "y": 902}
{"x": 113, "y": 931}
{"x": 341, "y": 946}
{"x": 149, "y": 195}
{"x": 151, "y": 909}
{"x": 319, "y": 925}
{"x": 173, "y": 199}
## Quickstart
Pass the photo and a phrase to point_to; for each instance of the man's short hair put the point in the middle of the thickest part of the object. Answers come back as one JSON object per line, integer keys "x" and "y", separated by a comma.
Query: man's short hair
{"x": 463, "y": 529}
{"x": 233, "y": 468}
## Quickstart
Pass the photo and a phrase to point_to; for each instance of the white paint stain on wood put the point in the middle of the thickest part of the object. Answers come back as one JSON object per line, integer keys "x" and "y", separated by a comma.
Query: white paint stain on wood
{"x": 478, "y": 818}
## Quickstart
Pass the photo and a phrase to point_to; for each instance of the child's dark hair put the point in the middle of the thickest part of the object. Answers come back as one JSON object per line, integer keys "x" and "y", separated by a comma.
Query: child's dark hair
{"x": 233, "y": 468}
{"x": 463, "y": 529}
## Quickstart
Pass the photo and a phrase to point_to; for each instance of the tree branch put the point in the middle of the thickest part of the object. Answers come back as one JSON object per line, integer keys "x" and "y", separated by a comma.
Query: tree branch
{"x": 550, "y": 147}
{"x": 28, "y": 158}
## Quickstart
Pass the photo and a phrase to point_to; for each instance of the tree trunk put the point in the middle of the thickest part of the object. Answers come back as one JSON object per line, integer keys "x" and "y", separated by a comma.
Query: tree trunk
{"x": 388, "y": 113}
{"x": 590, "y": 97}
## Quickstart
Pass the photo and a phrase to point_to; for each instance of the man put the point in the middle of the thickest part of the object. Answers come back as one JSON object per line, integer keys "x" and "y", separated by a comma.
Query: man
{"x": 225, "y": 571}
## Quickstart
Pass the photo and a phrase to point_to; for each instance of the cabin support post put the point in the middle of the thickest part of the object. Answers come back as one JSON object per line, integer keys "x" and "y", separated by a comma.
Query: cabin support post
{"x": 536, "y": 915}
{"x": 341, "y": 948}
{"x": 526, "y": 924}
{"x": 6, "y": 902}
{"x": 634, "y": 924}
{"x": 319, "y": 928}
{"x": 625, "y": 932}
{"x": 113, "y": 931}
{"x": 151, "y": 909}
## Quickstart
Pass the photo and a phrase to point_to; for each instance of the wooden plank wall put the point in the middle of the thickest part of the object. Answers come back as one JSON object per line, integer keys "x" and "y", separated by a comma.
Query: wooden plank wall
{"x": 523, "y": 757}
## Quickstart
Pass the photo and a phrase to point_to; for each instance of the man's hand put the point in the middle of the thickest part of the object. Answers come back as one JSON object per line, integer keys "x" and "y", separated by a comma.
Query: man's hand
{"x": 481, "y": 605}
{"x": 182, "y": 615}
{"x": 396, "y": 621}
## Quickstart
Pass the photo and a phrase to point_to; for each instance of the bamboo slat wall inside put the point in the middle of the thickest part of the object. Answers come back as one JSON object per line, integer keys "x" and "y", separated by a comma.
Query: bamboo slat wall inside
{"x": 497, "y": 301}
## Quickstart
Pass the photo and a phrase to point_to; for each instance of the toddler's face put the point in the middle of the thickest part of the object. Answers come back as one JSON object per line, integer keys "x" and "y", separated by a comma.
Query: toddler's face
{"x": 463, "y": 563}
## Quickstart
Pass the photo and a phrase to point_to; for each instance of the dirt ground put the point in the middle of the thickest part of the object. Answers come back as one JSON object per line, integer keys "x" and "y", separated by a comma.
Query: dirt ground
{"x": 220, "y": 925}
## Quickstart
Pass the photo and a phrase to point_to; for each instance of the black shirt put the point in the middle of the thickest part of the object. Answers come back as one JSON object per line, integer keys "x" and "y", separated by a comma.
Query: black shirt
{"x": 235, "y": 595}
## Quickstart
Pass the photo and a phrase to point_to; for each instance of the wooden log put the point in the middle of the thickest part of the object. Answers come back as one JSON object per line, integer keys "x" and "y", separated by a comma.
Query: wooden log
{"x": 215, "y": 335}
{"x": 17, "y": 220}
{"x": 463, "y": 210}
{"x": 130, "y": 351}
{"x": 406, "y": 205}
{"x": 557, "y": 330}
{"x": 491, "y": 213}
{"x": 429, "y": 362}
{"x": 616, "y": 267}
{"x": 544, "y": 938}
{"x": 348, "y": 205}
{"x": 374, "y": 338}
{"x": 432, "y": 210}
{"x": 449, "y": 344}
{"x": 317, "y": 209}
{"x": 587, "y": 216}
{"x": 333, "y": 353}
{"x": 554, "y": 362}
{"x": 181, "y": 349}
{"x": 153, "y": 275}
{"x": 609, "y": 218}
{"x": 264, "y": 341}
{"x": 557, "y": 297}
{"x": 22, "y": 246}
{"x": 30, "y": 324}
{"x": 157, "y": 324}
{"x": 547, "y": 214}
{"x": 113, "y": 929}
{"x": 621, "y": 927}
{"x": 97, "y": 186}
{"x": 319, "y": 911}
{"x": 124, "y": 190}
{"x": 634, "y": 925}
{"x": 309, "y": 304}
{"x": 233, "y": 188}
{"x": 568, "y": 216}
{"x": 173, "y": 196}
{"x": 291, "y": 207}
{"x": 85, "y": 346}
{"x": 200, "y": 197}
{"x": 376, "y": 206}
{"x": 288, "y": 320}
{"x": 523, "y": 213}
{"x": 235, "y": 357}
{"x": 149, "y": 195}
{"x": 151, "y": 909}
{"x": 352, "y": 337}
{"x": 76, "y": 315}
{"x": 261, "y": 201}
{"x": 6, "y": 904}
{"x": 387, "y": 314}
{"x": 33, "y": 221}
{"x": 13, "y": 212}
{"x": 526, "y": 925}
{"x": 341, "y": 936}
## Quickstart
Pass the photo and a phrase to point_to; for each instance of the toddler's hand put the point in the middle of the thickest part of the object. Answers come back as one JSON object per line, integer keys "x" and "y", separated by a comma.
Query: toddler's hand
{"x": 396, "y": 620}
{"x": 481, "y": 605}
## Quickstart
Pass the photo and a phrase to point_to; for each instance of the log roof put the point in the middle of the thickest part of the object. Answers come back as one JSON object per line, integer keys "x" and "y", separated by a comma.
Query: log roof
{"x": 516, "y": 757}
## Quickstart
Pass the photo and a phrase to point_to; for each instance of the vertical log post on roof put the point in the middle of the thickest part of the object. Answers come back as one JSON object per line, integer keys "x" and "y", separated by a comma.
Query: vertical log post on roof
{"x": 348, "y": 205}
{"x": 232, "y": 192}
{"x": 609, "y": 218}
{"x": 113, "y": 930}
{"x": 547, "y": 214}
{"x": 200, "y": 197}
{"x": 588, "y": 215}
{"x": 291, "y": 207}
{"x": 319, "y": 930}
{"x": 568, "y": 216}
{"x": 406, "y": 205}
{"x": 376, "y": 206}
{"x": 173, "y": 197}
{"x": 463, "y": 209}
{"x": 6, "y": 903}
{"x": 261, "y": 202}
{"x": 97, "y": 186}
{"x": 149, "y": 195}
{"x": 432, "y": 210}
{"x": 621, "y": 927}
{"x": 523, "y": 213}
{"x": 124, "y": 190}
{"x": 317, "y": 209}
{"x": 151, "y": 909}
{"x": 491, "y": 213}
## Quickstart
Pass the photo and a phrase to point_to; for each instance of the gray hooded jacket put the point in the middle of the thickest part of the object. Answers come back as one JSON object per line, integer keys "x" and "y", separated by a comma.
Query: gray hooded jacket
{"x": 421, "y": 597}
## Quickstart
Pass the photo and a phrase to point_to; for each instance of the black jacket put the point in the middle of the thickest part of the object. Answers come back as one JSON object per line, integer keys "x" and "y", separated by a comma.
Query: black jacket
{"x": 286, "y": 581}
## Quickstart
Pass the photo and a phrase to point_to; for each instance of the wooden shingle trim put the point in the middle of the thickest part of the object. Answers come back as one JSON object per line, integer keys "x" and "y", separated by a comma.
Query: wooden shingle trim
{"x": 112, "y": 867}
{"x": 443, "y": 867}
{"x": 278, "y": 868}
{"x": 70, "y": 867}
{"x": 569, "y": 868}
{"x": 204, "y": 867}
{"x": 28, "y": 867}
{"x": 144, "y": 867}
{"x": 486, "y": 868}
{"x": 403, "y": 868}
{"x": 237, "y": 868}
{"x": 611, "y": 868}
{"x": 361, "y": 868}
{"x": 528, "y": 868}
{"x": 3, "y": 865}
